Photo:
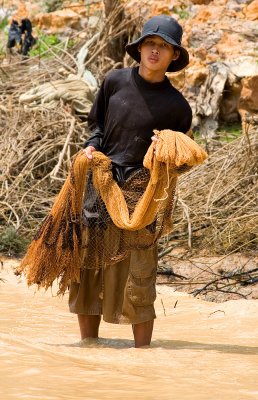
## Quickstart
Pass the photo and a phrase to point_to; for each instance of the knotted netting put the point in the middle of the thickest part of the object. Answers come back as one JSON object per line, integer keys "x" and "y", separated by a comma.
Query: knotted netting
{"x": 95, "y": 221}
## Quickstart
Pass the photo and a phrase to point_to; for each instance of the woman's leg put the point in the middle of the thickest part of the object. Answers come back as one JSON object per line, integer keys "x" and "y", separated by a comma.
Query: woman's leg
{"x": 143, "y": 333}
{"x": 89, "y": 325}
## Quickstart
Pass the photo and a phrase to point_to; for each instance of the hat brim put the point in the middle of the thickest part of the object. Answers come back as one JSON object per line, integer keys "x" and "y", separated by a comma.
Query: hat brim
{"x": 175, "y": 65}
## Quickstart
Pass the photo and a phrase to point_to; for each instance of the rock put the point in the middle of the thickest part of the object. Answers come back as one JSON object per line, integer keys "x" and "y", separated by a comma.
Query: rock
{"x": 21, "y": 12}
{"x": 3, "y": 13}
{"x": 93, "y": 22}
{"x": 208, "y": 14}
{"x": 209, "y": 99}
{"x": 220, "y": 2}
{"x": 244, "y": 1}
{"x": 193, "y": 76}
{"x": 249, "y": 94}
{"x": 201, "y": 53}
{"x": 177, "y": 79}
{"x": 251, "y": 11}
{"x": 229, "y": 44}
{"x": 23, "y": 9}
{"x": 248, "y": 104}
{"x": 243, "y": 66}
{"x": 78, "y": 8}
{"x": 229, "y": 103}
{"x": 233, "y": 8}
{"x": 58, "y": 20}
{"x": 196, "y": 74}
{"x": 203, "y": 16}
{"x": 205, "y": 37}
{"x": 201, "y": 1}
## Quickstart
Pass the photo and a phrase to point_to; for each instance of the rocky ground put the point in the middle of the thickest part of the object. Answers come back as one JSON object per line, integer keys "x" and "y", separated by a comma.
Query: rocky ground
{"x": 220, "y": 35}
{"x": 214, "y": 278}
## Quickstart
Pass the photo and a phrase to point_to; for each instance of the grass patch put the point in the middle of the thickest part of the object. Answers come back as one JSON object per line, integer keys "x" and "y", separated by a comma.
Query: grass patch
{"x": 43, "y": 43}
{"x": 12, "y": 243}
{"x": 229, "y": 132}
{"x": 3, "y": 23}
{"x": 183, "y": 13}
{"x": 53, "y": 5}
{"x": 225, "y": 134}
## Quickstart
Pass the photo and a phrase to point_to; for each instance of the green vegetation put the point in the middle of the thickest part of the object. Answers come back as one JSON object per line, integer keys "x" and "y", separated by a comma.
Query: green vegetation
{"x": 3, "y": 23}
{"x": 43, "y": 43}
{"x": 3, "y": 35}
{"x": 229, "y": 132}
{"x": 183, "y": 13}
{"x": 12, "y": 243}
{"x": 53, "y": 5}
{"x": 225, "y": 134}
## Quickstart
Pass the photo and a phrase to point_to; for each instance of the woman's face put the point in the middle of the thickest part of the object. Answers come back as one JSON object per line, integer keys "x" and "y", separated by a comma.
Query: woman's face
{"x": 156, "y": 53}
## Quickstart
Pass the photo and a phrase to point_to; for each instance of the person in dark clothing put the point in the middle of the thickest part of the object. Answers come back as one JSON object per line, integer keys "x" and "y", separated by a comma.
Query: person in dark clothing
{"x": 28, "y": 40}
{"x": 130, "y": 104}
{"x": 21, "y": 35}
{"x": 14, "y": 35}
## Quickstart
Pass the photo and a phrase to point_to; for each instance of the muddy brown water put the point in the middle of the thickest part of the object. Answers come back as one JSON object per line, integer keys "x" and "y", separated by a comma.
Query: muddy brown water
{"x": 200, "y": 350}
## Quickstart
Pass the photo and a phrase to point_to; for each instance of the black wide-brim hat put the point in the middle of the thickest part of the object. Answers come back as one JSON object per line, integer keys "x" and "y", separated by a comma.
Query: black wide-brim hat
{"x": 168, "y": 29}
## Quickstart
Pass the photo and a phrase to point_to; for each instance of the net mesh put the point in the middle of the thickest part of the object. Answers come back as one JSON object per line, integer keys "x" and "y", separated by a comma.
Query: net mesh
{"x": 103, "y": 241}
{"x": 95, "y": 221}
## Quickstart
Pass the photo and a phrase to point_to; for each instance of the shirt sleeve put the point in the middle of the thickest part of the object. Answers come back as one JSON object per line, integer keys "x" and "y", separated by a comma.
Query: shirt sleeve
{"x": 96, "y": 119}
{"x": 186, "y": 120}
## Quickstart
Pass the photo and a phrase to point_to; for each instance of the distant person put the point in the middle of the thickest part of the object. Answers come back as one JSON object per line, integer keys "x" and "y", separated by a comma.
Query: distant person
{"x": 28, "y": 40}
{"x": 14, "y": 36}
{"x": 20, "y": 36}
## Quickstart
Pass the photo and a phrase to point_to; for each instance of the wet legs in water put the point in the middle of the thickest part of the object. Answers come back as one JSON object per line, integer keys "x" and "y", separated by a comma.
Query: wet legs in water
{"x": 142, "y": 333}
{"x": 89, "y": 327}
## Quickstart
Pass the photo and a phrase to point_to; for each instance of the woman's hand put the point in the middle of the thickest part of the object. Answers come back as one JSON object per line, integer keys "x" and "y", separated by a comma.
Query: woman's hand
{"x": 88, "y": 151}
{"x": 154, "y": 138}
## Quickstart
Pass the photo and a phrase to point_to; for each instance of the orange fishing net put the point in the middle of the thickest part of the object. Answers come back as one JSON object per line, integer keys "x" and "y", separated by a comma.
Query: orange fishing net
{"x": 95, "y": 221}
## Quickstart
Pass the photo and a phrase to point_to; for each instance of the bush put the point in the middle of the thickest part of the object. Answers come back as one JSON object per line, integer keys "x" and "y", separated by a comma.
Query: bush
{"x": 53, "y": 5}
{"x": 12, "y": 243}
{"x": 43, "y": 42}
{"x": 183, "y": 13}
{"x": 3, "y": 23}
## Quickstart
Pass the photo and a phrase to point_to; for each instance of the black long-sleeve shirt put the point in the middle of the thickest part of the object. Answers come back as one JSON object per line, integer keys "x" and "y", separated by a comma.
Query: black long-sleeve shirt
{"x": 126, "y": 111}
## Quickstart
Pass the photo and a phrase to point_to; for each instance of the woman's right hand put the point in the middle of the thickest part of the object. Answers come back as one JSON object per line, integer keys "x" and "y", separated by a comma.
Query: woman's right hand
{"x": 88, "y": 151}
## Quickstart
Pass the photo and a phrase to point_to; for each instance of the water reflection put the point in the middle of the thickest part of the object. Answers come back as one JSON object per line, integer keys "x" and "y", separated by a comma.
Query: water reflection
{"x": 162, "y": 344}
